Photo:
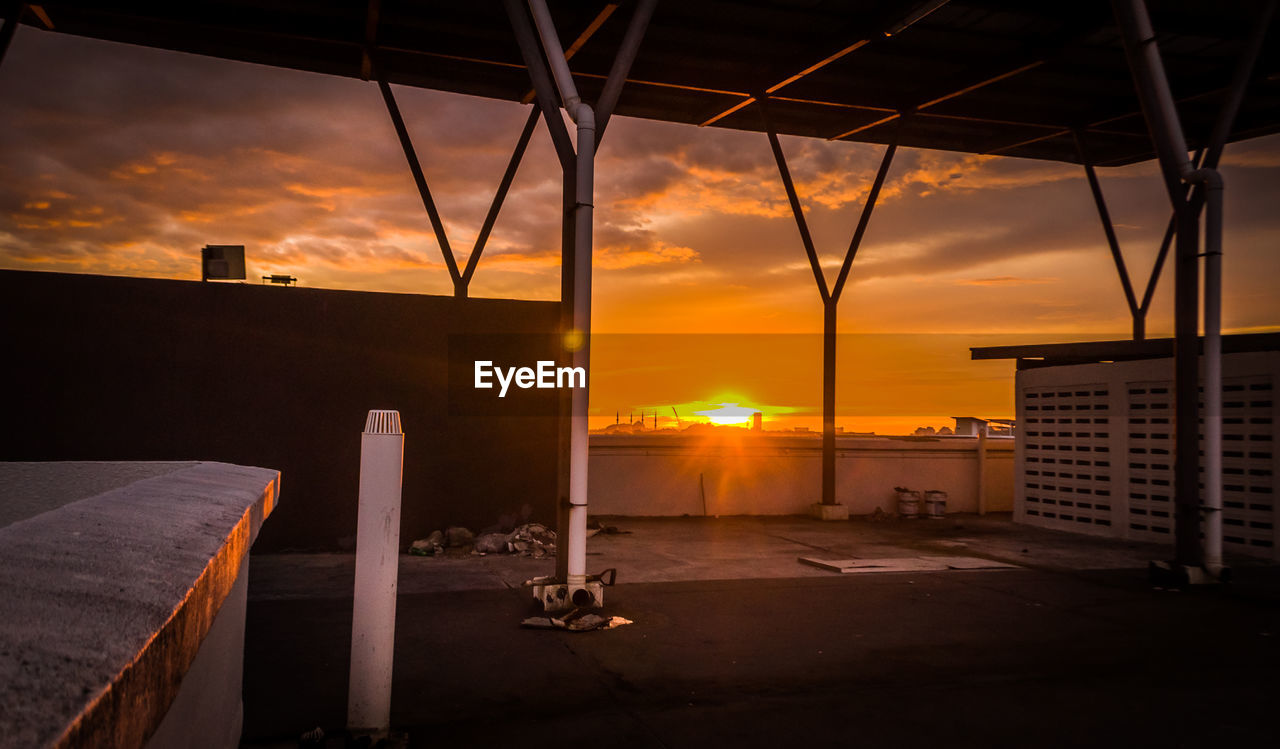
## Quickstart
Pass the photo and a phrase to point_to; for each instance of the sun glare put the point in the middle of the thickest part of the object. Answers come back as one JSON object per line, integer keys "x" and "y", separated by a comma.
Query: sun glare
{"x": 728, "y": 413}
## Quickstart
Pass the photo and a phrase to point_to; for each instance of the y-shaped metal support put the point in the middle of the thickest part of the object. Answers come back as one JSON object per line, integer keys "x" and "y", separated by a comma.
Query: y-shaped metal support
{"x": 461, "y": 279}
{"x": 549, "y": 72}
{"x": 830, "y": 299}
{"x": 1137, "y": 310}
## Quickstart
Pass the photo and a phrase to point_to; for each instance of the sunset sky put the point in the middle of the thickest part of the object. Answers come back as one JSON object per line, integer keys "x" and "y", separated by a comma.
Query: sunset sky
{"x": 125, "y": 161}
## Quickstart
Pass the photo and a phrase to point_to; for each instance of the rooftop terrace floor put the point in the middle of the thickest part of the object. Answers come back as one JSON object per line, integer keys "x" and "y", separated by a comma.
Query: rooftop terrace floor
{"x": 736, "y": 643}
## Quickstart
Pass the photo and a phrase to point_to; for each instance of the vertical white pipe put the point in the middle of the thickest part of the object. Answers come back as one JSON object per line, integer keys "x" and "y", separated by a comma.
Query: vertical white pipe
{"x": 373, "y": 624}
{"x": 1213, "y": 377}
{"x": 584, "y": 116}
{"x": 578, "y": 438}
{"x": 555, "y": 56}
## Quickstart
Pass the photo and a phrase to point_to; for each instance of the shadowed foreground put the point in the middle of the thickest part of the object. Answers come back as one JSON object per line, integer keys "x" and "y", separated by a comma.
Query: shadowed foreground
{"x": 1032, "y": 657}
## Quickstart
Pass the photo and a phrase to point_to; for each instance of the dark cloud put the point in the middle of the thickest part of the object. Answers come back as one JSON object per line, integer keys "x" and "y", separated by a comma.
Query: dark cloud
{"x": 125, "y": 159}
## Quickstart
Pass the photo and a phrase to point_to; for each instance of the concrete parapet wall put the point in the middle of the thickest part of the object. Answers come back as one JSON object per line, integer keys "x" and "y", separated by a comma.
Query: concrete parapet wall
{"x": 746, "y": 474}
{"x": 104, "y": 368}
{"x": 118, "y": 603}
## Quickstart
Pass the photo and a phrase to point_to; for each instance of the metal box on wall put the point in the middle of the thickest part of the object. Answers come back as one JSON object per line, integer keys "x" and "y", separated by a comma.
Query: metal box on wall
{"x": 222, "y": 262}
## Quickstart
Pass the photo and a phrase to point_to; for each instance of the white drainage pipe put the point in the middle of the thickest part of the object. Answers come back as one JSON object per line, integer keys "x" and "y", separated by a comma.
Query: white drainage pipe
{"x": 373, "y": 624}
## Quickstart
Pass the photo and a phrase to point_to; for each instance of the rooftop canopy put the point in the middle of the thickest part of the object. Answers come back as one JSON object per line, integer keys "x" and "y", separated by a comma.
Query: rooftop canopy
{"x": 978, "y": 76}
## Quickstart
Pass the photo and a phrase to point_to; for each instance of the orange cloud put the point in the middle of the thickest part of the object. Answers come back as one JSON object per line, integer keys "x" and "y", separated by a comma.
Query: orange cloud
{"x": 1004, "y": 281}
{"x": 621, "y": 258}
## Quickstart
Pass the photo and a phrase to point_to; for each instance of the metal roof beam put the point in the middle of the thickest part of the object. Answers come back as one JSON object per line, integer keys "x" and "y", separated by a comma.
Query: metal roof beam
{"x": 1033, "y": 54}
{"x": 787, "y": 81}
{"x": 940, "y": 99}
{"x": 10, "y": 26}
{"x": 918, "y": 13}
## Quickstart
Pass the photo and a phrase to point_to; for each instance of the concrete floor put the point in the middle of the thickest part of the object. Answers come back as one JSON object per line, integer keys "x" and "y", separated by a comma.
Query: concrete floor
{"x": 735, "y": 642}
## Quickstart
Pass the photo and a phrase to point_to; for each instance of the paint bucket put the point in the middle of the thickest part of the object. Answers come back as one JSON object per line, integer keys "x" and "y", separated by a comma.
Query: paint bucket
{"x": 909, "y": 504}
{"x": 935, "y": 505}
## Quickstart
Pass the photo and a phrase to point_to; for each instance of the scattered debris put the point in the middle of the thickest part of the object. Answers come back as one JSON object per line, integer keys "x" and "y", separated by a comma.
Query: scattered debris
{"x": 578, "y": 620}
{"x": 429, "y": 546}
{"x": 492, "y": 543}
{"x": 530, "y": 540}
{"x": 533, "y": 539}
{"x": 459, "y": 536}
{"x": 879, "y": 516}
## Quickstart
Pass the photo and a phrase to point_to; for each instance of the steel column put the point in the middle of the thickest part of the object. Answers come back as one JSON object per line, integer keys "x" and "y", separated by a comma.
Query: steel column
{"x": 544, "y": 93}
{"x": 830, "y": 298}
{"x": 1166, "y": 133}
{"x": 573, "y": 543}
{"x": 1213, "y": 378}
{"x": 829, "y": 401}
{"x": 540, "y": 50}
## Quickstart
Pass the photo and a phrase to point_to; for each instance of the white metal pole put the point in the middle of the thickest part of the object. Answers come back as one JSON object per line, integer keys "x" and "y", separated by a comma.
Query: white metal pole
{"x": 1213, "y": 379}
{"x": 584, "y": 116}
{"x": 578, "y": 436}
{"x": 373, "y": 624}
{"x": 555, "y": 56}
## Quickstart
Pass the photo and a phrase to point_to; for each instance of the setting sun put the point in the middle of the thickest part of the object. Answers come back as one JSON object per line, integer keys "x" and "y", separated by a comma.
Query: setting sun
{"x": 728, "y": 413}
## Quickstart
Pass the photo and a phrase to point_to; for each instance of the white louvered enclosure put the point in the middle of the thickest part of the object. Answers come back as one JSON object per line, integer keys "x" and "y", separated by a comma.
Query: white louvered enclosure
{"x": 1094, "y": 451}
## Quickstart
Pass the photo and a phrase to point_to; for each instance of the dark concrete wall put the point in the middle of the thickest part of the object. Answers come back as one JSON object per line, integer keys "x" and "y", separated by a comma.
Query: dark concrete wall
{"x": 103, "y": 368}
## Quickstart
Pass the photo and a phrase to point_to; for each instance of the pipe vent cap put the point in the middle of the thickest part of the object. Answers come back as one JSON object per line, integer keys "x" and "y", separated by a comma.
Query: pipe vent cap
{"x": 383, "y": 422}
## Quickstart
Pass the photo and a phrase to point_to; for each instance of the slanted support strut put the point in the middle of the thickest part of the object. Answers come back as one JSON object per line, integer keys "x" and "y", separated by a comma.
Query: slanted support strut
{"x": 415, "y": 166}
{"x": 1137, "y": 310}
{"x": 830, "y": 297}
{"x": 461, "y": 279}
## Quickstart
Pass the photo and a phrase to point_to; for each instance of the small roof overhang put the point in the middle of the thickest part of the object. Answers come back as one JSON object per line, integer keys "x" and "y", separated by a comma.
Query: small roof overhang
{"x": 1091, "y": 352}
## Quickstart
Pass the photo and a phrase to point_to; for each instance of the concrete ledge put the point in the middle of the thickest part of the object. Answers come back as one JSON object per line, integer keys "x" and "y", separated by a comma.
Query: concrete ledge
{"x": 108, "y": 601}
